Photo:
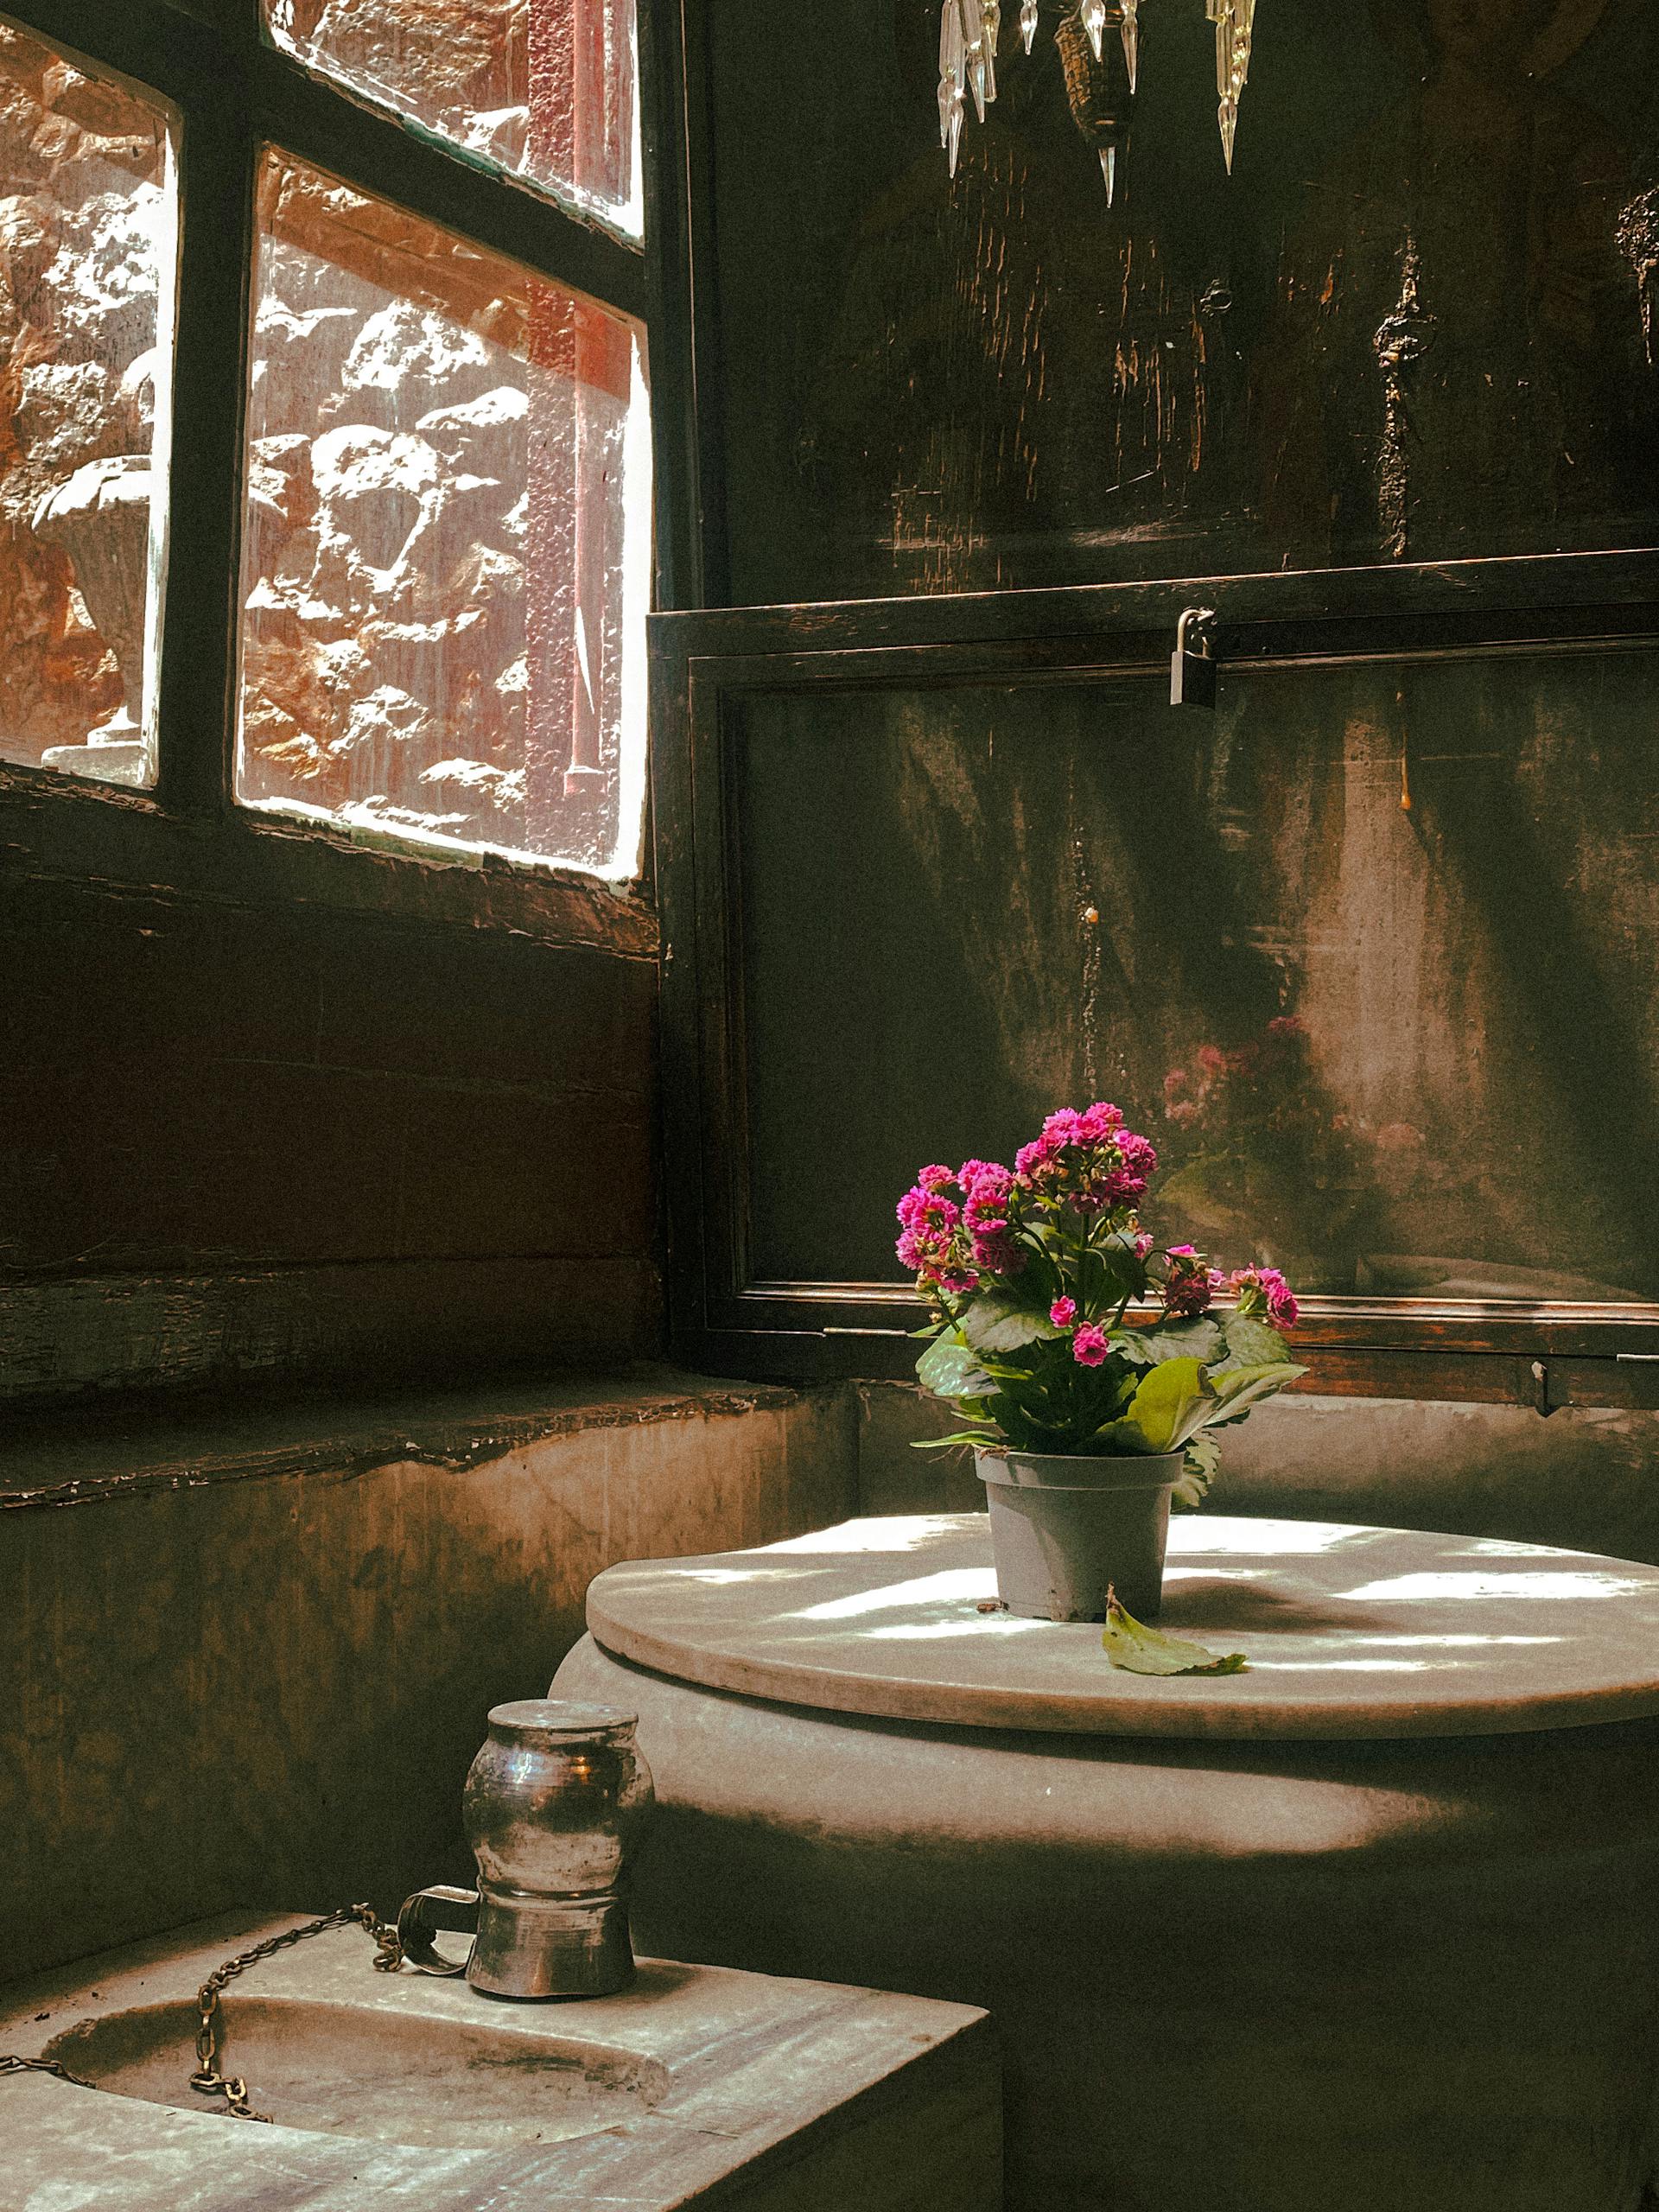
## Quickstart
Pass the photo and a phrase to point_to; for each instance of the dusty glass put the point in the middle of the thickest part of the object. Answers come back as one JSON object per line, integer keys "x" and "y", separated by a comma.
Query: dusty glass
{"x": 88, "y": 229}
{"x": 545, "y": 91}
{"x": 447, "y": 554}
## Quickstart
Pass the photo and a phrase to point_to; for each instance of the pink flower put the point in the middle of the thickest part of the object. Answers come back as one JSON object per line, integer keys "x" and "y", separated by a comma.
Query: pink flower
{"x": 1098, "y": 1122}
{"x": 975, "y": 1170}
{"x": 1255, "y": 1288}
{"x": 1033, "y": 1157}
{"x": 923, "y": 1207}
{"x": 1063, "y": 1312}
{"x": 1143, "y": 1244}
{"x": 1137, "y": 1161}
{"x": 998, "y": 1255}
{"x": 1211, "y": 1058}
{"x": 1187, "y": 1285}
{"x": 934, "y": 1245}
{"x": 1089, "y": 1346}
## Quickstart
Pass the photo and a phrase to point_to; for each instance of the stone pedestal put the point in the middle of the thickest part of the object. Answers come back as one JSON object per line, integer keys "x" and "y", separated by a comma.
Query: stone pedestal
{"x": 1373, "y": 1924}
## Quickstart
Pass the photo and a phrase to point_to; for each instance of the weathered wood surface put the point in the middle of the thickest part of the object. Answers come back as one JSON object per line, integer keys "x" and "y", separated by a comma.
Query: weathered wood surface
{"x": 1417, "y": 322}
{"x": 343, "y": 1112}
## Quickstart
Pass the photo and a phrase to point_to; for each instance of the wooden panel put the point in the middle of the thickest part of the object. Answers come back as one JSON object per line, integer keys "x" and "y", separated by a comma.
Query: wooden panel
{"x": 936, "y": 385}
{"x": 289, "y": 1137}
{"x": 860, "y": 951}
{"x": 89, "y": 1334}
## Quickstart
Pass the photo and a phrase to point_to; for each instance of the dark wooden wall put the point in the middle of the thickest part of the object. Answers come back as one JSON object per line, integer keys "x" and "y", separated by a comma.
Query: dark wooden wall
{"x": 271, "y": 1106}
{"x": 919, "y": 877}
{"x": 927, "y": 383}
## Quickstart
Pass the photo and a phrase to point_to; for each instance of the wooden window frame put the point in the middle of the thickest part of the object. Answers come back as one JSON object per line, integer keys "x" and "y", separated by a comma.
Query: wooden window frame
{"x": 235, "y": 93}
{"x": 722, "y": 1318}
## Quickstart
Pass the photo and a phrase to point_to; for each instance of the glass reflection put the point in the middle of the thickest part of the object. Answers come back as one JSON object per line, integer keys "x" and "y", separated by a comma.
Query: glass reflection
{"x": 87, "y": 247}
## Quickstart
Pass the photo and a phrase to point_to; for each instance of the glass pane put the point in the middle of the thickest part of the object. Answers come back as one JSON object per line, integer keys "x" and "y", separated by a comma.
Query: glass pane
{"x": 447, "y": 550}
{"x": 544, "y": 90}
{"x": 1403, "y": 1051}
{"x": 1420, "y": 321}
{"x": 87, "y": 224}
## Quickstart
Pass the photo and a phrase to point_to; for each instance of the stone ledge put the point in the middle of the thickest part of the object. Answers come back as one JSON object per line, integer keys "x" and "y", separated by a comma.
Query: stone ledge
{"x": 51, "y": 1462}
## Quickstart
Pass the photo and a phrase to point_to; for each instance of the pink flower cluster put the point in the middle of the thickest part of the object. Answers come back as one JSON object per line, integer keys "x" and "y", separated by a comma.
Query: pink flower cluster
{"x": 932, "y": 1243}
{"x": 1090, "y": 1159}
{"x": 963, "y": 1229}
{"x": 954, "y": 1246}
{"x": 1264, "y": 1289}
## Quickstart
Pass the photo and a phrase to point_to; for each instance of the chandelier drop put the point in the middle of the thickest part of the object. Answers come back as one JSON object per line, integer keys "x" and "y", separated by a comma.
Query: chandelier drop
{"x": 969, "y": 30}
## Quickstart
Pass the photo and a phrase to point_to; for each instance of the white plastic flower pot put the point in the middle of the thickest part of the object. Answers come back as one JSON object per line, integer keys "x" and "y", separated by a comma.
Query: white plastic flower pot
{"x": 1065, "y": 1531}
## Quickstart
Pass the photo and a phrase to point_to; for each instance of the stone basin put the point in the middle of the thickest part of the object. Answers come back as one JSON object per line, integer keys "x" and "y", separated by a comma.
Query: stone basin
{"x": 694, "y": 2086}
{"x": 354, "y": 2069}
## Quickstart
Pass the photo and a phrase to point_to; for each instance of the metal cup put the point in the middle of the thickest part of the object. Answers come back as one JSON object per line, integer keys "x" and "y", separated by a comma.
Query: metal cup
{"x": 553, "y": 1804}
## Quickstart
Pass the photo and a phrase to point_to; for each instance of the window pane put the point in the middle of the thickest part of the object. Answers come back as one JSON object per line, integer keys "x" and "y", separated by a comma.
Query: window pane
{"x": 448, "y": 545}
{"x": 87, "y": 230}
{"x": 543, "y": 89}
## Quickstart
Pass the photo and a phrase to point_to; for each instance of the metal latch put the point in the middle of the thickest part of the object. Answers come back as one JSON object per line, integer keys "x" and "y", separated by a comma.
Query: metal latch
{"x": 1193, "y": 667}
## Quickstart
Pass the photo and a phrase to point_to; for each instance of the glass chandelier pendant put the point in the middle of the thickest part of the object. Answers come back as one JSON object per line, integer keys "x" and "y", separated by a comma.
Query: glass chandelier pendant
{"x": 980, "y": 83}
{"x": 969, "y": 30}
{"x": 1132, "y": 39}
{"x": 1235, "y": 21}
{"x": 953, "y": 56}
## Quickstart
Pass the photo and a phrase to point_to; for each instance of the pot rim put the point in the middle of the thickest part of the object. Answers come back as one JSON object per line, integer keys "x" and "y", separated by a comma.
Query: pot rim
{"x": 1090, "y": 1470}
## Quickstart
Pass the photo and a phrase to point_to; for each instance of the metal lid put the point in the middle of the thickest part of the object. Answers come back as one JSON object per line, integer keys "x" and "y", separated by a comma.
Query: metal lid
{"x": 550, "y": 1716}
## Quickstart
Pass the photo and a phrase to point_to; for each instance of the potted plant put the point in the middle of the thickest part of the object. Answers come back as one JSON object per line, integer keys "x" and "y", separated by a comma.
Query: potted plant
{"x": 1092, "y": 1371}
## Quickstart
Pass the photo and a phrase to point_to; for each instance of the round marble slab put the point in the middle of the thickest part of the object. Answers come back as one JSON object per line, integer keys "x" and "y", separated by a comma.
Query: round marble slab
{"x": 1350, "y": 1633}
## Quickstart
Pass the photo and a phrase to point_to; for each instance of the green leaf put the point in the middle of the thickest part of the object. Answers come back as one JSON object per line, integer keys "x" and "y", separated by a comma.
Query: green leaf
{"x": 1170, "y": 1404}
{"x": 981, "y": 1440}
{"x": 995, "y": 1324}
{"x": 1141, "y": 1650}
{"x": 1238, "y": 1388}
{"x": 1251, "y": 1342}
{"x": 1199, "y": 1338}
{"x": 1203, "y": 1458}
{"x": 948, "y": 1368}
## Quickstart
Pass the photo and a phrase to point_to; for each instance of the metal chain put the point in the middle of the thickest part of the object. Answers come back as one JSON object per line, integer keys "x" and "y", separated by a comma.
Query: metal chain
{"x": 12, "y": 2064}
{"x": 208, "y": 2080}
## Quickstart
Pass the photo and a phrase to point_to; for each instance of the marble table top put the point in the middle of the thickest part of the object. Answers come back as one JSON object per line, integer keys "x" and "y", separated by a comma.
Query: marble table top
{"x": 1349, "y": 1631}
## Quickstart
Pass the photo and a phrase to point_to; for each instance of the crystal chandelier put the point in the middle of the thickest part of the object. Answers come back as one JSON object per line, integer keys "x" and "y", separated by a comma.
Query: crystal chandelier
{"x": 969, "y": 29}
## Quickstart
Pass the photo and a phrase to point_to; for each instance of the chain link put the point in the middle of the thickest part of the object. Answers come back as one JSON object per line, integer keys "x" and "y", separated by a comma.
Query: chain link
{"x": 209, "y": 2079}
{"x": 12, "y": 2064}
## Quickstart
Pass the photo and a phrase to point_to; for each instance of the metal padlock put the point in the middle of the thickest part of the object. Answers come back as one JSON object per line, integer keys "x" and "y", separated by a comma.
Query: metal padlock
{"x": 1193, "y": 667}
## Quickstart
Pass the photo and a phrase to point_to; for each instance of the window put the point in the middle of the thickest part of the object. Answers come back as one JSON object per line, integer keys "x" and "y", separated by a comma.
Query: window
{"x": 544, "y": 94}
{"x": 448, "y": 527}
{"x": 87, "y": 227}
{"x": 413, "y": 547}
